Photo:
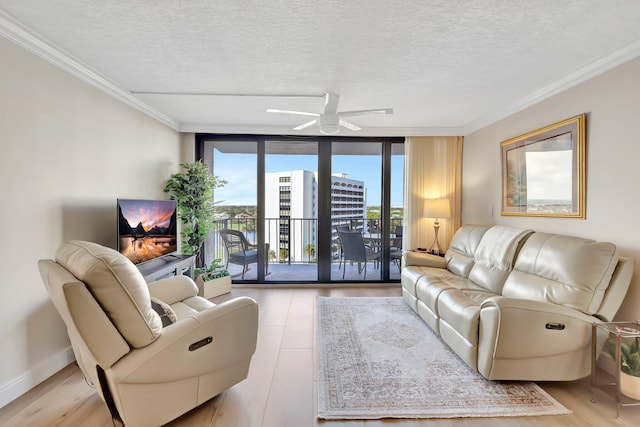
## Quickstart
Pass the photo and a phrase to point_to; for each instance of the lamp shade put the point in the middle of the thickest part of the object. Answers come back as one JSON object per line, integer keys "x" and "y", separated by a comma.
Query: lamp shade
{"x": 437, "y": 208}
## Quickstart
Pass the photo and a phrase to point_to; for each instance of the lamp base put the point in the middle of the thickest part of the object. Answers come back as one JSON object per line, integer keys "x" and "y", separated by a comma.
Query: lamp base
{"x": 435, "y": 248}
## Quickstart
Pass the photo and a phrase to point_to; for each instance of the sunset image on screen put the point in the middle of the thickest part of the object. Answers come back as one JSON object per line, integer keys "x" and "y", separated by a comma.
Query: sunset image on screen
{"x": 147, "y": 228}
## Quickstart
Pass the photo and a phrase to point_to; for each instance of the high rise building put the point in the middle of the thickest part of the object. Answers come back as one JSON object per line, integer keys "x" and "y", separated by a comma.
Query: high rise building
{"x": 291, "y": 210}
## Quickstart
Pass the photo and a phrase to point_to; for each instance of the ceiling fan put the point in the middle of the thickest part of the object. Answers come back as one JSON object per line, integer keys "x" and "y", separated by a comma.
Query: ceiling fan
{"x": 331, "y": 119}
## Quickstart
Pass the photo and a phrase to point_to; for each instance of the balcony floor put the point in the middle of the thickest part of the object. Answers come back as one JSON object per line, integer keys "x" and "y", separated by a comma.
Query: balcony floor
{"x": 307, "y": 272}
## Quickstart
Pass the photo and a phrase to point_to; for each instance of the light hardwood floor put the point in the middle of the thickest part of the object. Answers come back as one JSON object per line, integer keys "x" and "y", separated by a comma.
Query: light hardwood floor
{"x": 281, "y": 388}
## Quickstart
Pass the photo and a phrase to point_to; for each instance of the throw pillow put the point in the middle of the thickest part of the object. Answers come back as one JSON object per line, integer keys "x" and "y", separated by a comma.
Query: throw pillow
{"x": 167, "y": 315}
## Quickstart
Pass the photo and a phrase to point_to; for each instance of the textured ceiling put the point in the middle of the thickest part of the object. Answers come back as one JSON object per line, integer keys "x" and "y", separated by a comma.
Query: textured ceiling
{"x": 445, "y": 67}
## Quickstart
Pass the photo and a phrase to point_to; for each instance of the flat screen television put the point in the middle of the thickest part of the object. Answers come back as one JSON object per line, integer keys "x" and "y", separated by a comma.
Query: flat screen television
{"x": 147, "y": 229}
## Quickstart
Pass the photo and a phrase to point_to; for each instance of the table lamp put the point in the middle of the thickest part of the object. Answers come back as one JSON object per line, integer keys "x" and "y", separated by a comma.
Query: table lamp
{"x": 436, "y": 208}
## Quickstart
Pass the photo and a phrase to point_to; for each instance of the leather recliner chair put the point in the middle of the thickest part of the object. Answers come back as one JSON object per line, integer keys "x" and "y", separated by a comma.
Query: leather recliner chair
{"x": 147, "y": 374}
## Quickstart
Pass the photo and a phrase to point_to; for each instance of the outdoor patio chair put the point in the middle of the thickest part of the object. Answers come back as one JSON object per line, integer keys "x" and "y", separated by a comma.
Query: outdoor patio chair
{"x": 341, "y": 228}
{"x": 355, "y": 250}
{"x": 239, "y": 250}
{"x": 395, "y": 250}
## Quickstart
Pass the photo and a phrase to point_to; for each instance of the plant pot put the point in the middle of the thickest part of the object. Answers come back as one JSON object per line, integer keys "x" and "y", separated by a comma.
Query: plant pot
{"x": 214, "y": 287}
{"x": 630, "y": 385}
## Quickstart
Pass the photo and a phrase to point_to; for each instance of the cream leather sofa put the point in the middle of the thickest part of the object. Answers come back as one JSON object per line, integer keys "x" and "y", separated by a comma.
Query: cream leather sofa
{"x": 516, "y": 304}
{"x": 146, "y": 372}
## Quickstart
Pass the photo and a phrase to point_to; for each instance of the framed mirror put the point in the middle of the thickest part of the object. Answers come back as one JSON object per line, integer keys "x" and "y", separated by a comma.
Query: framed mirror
{"x": 543, "y": 171}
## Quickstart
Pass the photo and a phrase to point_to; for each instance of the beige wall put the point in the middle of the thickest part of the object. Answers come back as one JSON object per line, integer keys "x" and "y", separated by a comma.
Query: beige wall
{"x": 612, "y": 104}
{"x": 67, "y": 152}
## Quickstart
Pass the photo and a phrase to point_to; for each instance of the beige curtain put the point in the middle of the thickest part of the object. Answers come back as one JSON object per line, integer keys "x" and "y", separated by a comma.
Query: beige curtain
{"x": 433, "y": 170}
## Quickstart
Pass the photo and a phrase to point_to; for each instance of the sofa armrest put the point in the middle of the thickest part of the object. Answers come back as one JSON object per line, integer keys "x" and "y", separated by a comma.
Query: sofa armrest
{"x": 231, "y": 326}
{"x": 521, "y": 329}
{"x": 421, "y": 259}
{"x": 173, "y": 289}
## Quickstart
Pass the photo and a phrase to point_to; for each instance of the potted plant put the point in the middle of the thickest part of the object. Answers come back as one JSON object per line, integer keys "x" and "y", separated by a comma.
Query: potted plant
{"x": 192, "y": 189}
{"x": 213, "y": 280}
{"x": 629, "y": 365}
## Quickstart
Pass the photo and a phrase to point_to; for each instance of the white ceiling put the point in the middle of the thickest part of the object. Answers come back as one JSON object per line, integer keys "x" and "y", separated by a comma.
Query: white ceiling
{"x": 445, "y": 67}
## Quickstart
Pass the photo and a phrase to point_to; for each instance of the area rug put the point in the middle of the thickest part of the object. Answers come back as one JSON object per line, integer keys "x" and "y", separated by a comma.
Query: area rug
{"x": 378, "y": 359}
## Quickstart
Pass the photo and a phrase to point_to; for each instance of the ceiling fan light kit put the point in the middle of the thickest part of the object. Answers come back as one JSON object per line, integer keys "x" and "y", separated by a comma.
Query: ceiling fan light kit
{"x": 330, "y": 121}
{"x": 329, "y": 124}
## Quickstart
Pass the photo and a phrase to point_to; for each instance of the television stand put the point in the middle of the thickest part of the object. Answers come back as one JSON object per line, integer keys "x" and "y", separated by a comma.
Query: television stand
{"x": 167, "y": 266}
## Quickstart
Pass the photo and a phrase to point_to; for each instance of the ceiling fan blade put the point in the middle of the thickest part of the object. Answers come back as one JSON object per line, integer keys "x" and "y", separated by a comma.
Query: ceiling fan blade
{"x": 331, "y": 103}
{"x": 300, "y": 113}
{"x": 366, "y": 112}
{"x": 306, "y": 125}
{"x": 350, "y": 125}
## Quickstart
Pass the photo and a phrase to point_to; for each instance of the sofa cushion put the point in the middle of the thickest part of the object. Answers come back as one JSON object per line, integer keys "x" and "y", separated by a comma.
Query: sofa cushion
{"x": 499, "y": 245}
{"x": 117, "y": 285}
{"x": 410, "y": 276}
{"x": 460, "y": 308}
{"x": 495, "y": 255}
{"x": 462, "y": 248}
{"x": 565, "y": 270}
{"x": 430, "y": 286}
{"x": 488, "y": 278}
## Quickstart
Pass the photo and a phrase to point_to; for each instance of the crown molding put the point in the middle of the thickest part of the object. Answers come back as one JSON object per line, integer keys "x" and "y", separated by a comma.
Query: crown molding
{"x": 595, "y": 68}
{"x": 32, "y": 42}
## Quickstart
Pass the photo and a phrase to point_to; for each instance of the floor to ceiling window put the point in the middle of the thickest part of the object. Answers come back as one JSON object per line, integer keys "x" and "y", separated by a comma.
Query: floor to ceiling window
{"x": 291, "y": 208}
{"x": 356, "y": 201}
{"x": 236, "y": 162}
{"x": 287, "y": 197}
{"x": 396, "y": 209}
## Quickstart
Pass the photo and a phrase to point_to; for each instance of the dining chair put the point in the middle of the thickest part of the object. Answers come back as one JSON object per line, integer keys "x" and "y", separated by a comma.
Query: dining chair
{"x": 339, "y": 229}
{"x": 355, "y": 250}
{"x": 395, "y": 249}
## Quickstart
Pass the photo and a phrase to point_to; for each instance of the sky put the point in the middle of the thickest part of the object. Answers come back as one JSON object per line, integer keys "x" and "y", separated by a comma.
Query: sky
{"x": 549, "y": 175}
{"x": 242, "y": 182}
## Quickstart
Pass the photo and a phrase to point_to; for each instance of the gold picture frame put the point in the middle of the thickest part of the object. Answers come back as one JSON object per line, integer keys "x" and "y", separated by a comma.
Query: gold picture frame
{"x": 543, "y": 171}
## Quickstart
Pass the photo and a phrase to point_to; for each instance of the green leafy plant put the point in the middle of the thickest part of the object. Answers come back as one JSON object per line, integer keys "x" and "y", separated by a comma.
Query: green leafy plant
{"x": 192, "y": 189}
{"x": 629, "y": 355}
{"x": 214, "y": 270}
{"x": 310, "y": 250}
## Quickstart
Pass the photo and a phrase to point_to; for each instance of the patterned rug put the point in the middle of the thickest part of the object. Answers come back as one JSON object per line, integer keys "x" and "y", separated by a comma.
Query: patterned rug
{"x": 378, "y": 359}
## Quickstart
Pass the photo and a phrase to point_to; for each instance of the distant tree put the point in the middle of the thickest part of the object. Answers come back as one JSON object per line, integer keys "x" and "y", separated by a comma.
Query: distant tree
{"x": 310, "y": 250}
{"x": 373, "y": 211}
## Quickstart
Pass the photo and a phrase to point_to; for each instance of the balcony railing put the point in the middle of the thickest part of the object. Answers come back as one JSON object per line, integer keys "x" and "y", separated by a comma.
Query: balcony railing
{"x": 290, "y": 240}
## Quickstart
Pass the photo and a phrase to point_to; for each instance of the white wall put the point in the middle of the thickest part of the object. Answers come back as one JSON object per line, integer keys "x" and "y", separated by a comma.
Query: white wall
{"x": 612, "y": 104}
{"x": 67, "y": 152}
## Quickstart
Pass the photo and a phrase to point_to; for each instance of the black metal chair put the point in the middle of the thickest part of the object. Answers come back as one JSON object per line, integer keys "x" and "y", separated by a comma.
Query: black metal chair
{"x": 339, "y": 229}
{"x": 355, "y": 250}
{"x": 239, "y": 250}
{"x": 395, "y": 250}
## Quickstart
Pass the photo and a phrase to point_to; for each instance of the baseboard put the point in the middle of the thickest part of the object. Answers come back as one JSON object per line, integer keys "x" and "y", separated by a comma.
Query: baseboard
{"x": 25, "y": 382}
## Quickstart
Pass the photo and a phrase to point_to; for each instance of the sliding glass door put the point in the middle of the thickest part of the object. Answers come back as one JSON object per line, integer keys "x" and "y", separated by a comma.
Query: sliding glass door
{"x": 288, "y": 196}
{"x": 356, "y": 201}
{"x": 236, "y": 227}
{"x": 291, "y": 208}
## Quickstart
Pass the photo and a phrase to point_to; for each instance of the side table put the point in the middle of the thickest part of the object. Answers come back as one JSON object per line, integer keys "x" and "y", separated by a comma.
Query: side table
{"x": 426, "y": 251}
{"x": 600, "y": 333}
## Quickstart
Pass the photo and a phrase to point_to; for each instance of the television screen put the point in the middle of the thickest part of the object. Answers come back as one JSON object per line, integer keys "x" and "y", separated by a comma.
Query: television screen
{"x": 147, "y": 229}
